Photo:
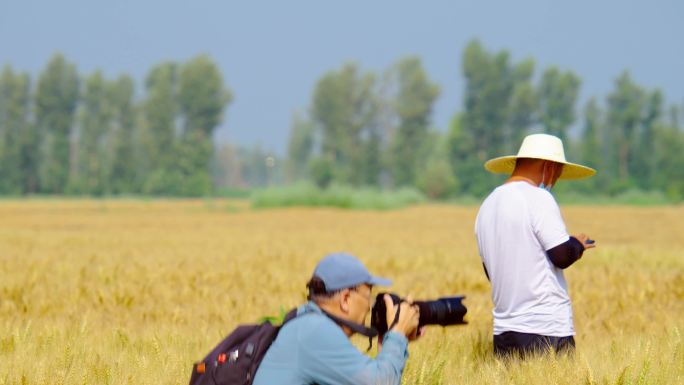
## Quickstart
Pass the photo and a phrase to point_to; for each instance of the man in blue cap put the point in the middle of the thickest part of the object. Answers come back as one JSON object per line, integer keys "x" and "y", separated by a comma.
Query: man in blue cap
{"x": 314, "y": 347}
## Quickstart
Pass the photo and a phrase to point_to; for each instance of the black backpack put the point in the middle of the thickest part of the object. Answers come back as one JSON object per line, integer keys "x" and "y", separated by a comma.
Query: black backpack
{"x": 234, "y": 361}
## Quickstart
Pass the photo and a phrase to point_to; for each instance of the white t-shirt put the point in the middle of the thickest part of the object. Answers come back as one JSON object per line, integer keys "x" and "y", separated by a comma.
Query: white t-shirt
{"x": 515, "y": 226}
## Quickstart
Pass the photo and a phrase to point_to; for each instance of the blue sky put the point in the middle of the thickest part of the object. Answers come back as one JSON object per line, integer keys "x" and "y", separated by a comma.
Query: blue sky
{"x": 273, "y": 52}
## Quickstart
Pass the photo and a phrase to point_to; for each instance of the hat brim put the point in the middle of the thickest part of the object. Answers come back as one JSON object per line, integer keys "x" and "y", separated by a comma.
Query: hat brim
{"x": 506, "y": 165}
{"x": 379, "y": 281}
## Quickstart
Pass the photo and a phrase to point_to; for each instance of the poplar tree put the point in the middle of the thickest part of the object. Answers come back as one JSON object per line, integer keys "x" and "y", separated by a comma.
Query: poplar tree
{"x": 413, "y": 105}
{"x": 202, "y": 98}
{"x": 557, "y": 97}
{"x": 55, "y": 104}
{"x": 91, "y": 175}
{"x": 344, "y": 113}
{"x": 18, "y": 143}
{"x": 125, "y": 137}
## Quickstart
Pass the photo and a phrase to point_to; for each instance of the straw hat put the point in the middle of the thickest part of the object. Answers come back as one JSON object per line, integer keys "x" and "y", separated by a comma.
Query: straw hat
{"x": 540, "y": 146}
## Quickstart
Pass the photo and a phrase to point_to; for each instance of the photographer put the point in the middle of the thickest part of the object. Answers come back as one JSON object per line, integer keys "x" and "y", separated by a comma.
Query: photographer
{"x": 314, "y": 347}
{"x": 524, "y": 246}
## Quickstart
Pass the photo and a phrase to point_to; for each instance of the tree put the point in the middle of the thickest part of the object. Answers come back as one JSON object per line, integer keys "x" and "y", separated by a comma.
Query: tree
{"x": 674, "y": 116}
{"x": 668, "y": 159}
{"x": 489, "y": 86}
{"x": 643, "y": 165}
{"x": 344, "y": 112}
{"x": 202, "y": 96}
{"x": 125, "y": 139}
{"x": 436, "y": 178}
{"x": 253, "y": 164}
{"x": 202, "y": 100}
{"x": 91, "y": 172}
{"x": 55, "y": 102}
{"x": 15, "y": 133}
{"x": 413, "y": 104}
{"x": 191, "y": 168}
{"x": 227, "y": 168}
{"x": 484, "y": 130}
{"x": 625, "y": 114}
{"x": 591, "y": 145}
{"x": 299, "y": 148}
{"x": 523, "y": 105}
{"x": 557, "y": 97}
{"x": 159, "y": 109}
{"x": 321, "y": 170}
{"x": 370, "y": 163}
{"x": 591, "y": 135}
{"x": 466, "y": 164}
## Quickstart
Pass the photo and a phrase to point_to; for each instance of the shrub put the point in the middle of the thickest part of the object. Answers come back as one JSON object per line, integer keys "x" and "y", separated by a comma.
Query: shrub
{"x": 306, "y": 194}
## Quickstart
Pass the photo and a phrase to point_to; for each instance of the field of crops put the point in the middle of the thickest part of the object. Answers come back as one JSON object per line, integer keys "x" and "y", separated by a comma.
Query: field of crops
{"x": 132, "y": 292}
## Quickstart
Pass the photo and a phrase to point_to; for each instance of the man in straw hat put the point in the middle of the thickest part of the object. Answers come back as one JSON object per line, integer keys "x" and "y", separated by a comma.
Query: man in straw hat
{"x": 525, "y": 246}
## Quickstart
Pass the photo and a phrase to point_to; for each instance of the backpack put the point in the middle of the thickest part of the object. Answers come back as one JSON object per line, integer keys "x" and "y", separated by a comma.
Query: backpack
{"x": 234, "y": 361}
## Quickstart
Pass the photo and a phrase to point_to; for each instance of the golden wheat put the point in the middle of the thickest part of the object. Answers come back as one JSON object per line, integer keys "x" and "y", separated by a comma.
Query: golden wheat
{"x": 132, "y": 292}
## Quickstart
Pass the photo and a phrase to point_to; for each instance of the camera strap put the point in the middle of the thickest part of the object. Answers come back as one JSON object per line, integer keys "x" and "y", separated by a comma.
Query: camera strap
{"x": 356, "y": 328}
{"x": 396, "y": 316}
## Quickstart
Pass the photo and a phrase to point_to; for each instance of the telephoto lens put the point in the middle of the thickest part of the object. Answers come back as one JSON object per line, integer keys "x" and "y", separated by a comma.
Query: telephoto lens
{"x": 443, "y": 311}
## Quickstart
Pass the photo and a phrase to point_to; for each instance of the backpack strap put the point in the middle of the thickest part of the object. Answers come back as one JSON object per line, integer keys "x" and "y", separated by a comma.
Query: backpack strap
{"x": 292, "y": 314}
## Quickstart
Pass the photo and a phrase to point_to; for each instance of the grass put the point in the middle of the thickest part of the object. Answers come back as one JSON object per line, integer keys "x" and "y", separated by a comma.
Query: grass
{"x": 308, "y": 195}
{"x": 304, "y": 194}
{"x": 625, "y": 198}
{"x": 132, "y": 292}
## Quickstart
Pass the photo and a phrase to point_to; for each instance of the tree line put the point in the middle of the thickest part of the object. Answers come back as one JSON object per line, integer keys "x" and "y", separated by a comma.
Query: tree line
{"x": 369, "y": 129}
{"x": 67, "y": 133}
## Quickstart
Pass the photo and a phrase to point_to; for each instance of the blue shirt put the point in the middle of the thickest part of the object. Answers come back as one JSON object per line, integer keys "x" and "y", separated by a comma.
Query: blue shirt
{"x": 312, "y": 348}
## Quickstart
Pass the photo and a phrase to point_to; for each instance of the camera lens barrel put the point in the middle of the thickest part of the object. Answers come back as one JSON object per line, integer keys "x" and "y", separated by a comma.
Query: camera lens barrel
{"x": 443, "y": 311}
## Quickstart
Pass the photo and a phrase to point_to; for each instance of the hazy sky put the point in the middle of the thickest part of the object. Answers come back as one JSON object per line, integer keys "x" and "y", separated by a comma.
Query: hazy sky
{"x": 273, "y": 52}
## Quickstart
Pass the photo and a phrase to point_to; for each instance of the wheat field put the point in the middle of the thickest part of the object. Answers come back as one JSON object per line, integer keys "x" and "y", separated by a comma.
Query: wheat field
{"x": 134, "y": 291}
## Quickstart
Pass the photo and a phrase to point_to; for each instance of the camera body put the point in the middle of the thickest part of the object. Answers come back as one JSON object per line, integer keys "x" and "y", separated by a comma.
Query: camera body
{"x": 443, "y": 311}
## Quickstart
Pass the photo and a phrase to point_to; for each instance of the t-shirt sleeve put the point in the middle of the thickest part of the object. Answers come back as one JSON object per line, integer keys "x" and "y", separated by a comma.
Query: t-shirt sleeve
{"x": 547, "y": 222}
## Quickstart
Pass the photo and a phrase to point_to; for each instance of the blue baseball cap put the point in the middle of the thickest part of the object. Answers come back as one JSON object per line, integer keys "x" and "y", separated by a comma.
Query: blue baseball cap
{"x": 340, "y": 271}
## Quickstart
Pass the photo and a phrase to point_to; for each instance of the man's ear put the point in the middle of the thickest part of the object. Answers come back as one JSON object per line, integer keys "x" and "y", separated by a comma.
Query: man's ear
{"x": 345, "y": 297}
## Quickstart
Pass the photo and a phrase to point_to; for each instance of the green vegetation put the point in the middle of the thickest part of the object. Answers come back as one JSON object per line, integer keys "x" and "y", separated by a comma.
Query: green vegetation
{"x": 90, "y": 136}
{"x": 634, "y": 139}
{"x": 304, "y": 194}
{"x": 74, "y": 134}
{"x": 631, "y": 197}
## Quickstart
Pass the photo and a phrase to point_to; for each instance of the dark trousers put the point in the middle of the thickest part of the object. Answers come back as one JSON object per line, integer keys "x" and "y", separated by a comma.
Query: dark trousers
{"x": 509, "y": 344}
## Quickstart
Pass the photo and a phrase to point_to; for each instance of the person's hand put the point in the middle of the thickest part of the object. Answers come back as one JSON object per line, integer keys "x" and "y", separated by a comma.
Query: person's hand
{"x": 407, "y": 324}
{"x": 419, "y": 332}
{"x": 583, "y": 238}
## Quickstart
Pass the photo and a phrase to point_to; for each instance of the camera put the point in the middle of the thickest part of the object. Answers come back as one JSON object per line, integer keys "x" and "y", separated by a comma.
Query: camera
{"x": 443, "y": 311}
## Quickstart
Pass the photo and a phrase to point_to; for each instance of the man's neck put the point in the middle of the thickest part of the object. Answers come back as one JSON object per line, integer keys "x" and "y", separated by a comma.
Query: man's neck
{"x": 335, "y": 311}
{"x": 527, "y": 172}
{"x": 520, "y": 178}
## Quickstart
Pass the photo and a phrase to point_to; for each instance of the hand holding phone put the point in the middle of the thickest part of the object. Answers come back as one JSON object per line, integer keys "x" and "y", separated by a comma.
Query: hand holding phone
{"x": 587, "y": 242}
